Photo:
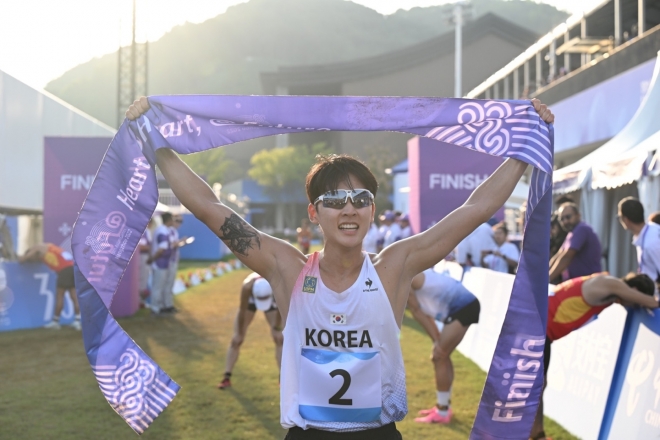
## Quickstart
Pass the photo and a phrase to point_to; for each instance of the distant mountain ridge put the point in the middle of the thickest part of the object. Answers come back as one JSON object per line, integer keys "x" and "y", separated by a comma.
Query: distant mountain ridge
{"x": 225, "y": 54}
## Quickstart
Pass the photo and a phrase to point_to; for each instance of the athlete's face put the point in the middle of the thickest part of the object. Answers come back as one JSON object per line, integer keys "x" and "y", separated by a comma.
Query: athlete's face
{"x": 346, "y": 226}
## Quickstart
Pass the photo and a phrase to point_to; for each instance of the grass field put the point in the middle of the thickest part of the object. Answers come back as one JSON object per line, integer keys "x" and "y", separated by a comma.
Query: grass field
{"x": 47, "y": 390}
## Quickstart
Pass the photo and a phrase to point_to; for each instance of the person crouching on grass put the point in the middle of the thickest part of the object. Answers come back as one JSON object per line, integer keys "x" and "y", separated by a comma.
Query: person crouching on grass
{"x": 438, "y": 297}
{"x": 256, "y": 294}
{"x": 342, "y": 370}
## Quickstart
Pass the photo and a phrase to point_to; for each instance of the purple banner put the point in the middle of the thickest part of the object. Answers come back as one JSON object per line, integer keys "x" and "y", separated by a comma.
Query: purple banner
{"x": 442, "y": 177}
{"x": 124, "y": 195}
{"x": 70, "y": 164}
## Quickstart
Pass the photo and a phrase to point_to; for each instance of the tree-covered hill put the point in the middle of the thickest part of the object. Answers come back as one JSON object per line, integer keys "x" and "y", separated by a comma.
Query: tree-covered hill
{"x": 226, "y": 54}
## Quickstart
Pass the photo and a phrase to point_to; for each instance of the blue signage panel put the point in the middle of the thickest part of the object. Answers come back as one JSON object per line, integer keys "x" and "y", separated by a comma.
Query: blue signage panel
{"x": 27, "y": 296}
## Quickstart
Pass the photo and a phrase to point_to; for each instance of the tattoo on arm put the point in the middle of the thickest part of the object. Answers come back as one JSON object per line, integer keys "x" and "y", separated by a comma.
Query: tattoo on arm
{"x": 238, "y": 235}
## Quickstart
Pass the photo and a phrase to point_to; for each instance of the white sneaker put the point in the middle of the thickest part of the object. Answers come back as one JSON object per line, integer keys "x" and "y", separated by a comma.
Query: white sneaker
{"x": 54, "y": 325}
{"x": 76, "y": 325}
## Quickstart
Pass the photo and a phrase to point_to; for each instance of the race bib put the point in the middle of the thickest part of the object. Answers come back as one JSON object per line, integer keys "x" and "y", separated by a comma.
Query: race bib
{"x": 339, "y": 387}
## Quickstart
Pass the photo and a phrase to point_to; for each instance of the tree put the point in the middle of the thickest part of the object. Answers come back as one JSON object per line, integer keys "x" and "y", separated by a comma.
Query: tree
{"x": 214, "y": 166}
{"x": 379, "y": 159}
{"x": 280, "y": 171}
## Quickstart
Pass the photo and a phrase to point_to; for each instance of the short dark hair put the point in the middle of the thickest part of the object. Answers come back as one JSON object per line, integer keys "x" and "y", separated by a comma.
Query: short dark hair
{"x": 564, "y": 199}
{"x": 502, "y": 226}
{"x": 655, "y": 217}
{"x": 332, "y": 169}
{"x": 166, "y": 217}
{"x": 641, "y": 282}
{"x": 571, "y": 205}
{"x": 632, "y": 209}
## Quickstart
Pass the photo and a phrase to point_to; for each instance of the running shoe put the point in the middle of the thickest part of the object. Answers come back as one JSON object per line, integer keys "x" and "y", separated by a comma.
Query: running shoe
{"x": 435, "y": 417}
{"x": 226, "y": 383}
{"x": 53, "y": 325}
{"x": 426, "y": 412}
{"x": 76, "y": 325}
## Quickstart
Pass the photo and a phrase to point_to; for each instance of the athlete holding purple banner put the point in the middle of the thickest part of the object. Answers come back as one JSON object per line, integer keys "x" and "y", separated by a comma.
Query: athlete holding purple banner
{"x": 342, "y": 369}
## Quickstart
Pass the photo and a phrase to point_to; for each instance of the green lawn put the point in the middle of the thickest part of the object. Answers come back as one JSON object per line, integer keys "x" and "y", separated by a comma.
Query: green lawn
{"x": 47, "y": 390}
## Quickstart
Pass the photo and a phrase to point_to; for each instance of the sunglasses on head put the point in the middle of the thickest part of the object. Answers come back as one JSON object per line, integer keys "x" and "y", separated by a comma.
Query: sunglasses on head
{"x": 337, "y": 199}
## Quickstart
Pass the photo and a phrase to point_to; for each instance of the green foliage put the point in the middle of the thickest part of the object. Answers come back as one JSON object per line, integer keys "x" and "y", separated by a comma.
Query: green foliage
{"x": 214, "y": 166}
{"x": 280, "y": 169}
{"x": 380, "y": 158}
{"x": 226, "y": 54}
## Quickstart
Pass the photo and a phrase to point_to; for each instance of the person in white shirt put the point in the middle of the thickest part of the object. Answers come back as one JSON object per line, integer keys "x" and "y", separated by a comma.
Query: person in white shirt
{"x": 406, "y": 230}
{"x": 439, "y": 298}
{"x": 386, "y": 218}
{"x": 646, "y": 237}
{"x": 468, "y": 251}
{"x": 504, "y": 258}
{"x": 342, "y": 368}
{"x": 394, "y": 232}
{"x": 370, "y": 243}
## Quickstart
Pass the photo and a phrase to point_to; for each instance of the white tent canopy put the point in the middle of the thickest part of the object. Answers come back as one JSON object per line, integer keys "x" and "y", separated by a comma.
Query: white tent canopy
{"x": 28, "y": 115}
{"x": 644, "y": 124}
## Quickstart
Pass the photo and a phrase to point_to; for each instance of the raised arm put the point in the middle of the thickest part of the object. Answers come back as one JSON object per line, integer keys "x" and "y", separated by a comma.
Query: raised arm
{"x": 607, "y": 289}
{"x": 276, "y": 260}
{"x": 32, "y": 255}
{"x": 426, "y": 249}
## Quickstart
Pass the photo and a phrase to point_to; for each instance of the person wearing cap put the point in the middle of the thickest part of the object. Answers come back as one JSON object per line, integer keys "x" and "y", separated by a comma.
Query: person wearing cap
{"x": 256, "y": 294}
{"x": 386, "y": 218}
{"x": 406, "y": 230}
{"x": 394, "y": 232}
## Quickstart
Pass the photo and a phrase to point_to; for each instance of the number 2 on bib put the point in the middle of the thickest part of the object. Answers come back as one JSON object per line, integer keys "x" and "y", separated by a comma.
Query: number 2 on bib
{"x": 359, "y": 396}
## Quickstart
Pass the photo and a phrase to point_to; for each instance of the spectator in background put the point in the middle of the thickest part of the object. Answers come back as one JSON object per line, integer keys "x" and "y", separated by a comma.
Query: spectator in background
{"x": 60, "y": 262}
{"x": 504, "y": 258}
{"x": 646, "y": 236}
{"x": 161, "y": 258}
{"x": 394, "y": 232}
{"x": 386, "y": 218}
{"x": 557, "y": 237}
{"x": 655, "y": 218}
{"x": 370, "y": 242}
{"x": 468, "y": 251}
{"x": 580, "y": 253}
{"x": 176, "y": 243}
{"x": 406, "y": 230}
{"x": 304, "y": 233}
{"x": 144, "y": 246}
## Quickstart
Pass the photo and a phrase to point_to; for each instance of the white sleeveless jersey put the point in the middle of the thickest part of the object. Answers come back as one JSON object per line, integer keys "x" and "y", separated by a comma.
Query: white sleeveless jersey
{"x": 342, "y": 368}
{"x": 438, "y": 294}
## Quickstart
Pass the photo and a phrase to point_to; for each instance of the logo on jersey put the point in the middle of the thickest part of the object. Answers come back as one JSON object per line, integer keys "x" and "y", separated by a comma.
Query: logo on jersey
{"x": 369, "y": 283}
{"x": 337, "y": 319}
{"x": 309, "y": 285}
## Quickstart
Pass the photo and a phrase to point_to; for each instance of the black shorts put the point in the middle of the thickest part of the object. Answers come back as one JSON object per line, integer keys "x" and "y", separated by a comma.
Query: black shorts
{"x": 546, "y": 356}
{"x": 467, "y": 315}
{"x": 253, "y": 308}
{"x": 65, "y": 278}
{"x": 385, "y": 432}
